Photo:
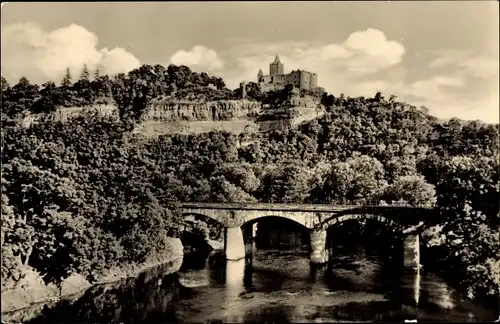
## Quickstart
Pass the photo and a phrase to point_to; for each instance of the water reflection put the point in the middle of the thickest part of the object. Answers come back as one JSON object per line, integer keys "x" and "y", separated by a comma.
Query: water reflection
{"x": 234, "y": 287}
{"x": 416, "y": 286}
{"x": 441, "y": 295}
{"x": 277, "y": 286}
{"x": 235, "y": 273}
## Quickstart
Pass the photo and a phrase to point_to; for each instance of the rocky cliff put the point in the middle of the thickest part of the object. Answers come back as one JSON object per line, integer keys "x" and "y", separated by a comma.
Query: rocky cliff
{"x": 64, "y": 113}
{"x": 176, "y": 110}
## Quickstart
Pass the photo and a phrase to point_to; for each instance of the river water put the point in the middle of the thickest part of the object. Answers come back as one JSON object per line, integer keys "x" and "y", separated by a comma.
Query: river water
{"x": 276, "y": 286}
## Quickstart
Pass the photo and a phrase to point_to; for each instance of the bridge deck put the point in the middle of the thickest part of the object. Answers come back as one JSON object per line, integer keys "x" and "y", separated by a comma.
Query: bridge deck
{"x": 293, "y": 207}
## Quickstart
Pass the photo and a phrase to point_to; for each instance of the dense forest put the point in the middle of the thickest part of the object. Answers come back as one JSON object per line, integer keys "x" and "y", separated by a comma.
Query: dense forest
{"x": 87, "y": 194}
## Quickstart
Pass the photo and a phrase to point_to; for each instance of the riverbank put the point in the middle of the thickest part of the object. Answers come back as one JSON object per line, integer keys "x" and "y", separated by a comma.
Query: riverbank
{"x": 31, "y": 290}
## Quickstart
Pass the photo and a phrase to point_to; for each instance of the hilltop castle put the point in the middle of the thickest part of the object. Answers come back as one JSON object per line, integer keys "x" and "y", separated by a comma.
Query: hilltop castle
{"x": 277, "y": 79}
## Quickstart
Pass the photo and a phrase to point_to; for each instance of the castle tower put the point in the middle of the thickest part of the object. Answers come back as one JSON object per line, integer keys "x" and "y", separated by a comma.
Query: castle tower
{"x": 243, "y": 86}
{"x": 276, "y": 68}
{"x": 260, "y": 75}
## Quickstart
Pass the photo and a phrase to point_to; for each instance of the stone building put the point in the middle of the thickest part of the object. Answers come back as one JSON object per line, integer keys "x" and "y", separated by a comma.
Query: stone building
{"x": 277, "y": 79}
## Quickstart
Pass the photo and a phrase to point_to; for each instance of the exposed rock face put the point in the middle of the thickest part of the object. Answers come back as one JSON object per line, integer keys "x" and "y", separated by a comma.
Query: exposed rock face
{"x": 64, "y": 113}
{"x": 169, "y": 110}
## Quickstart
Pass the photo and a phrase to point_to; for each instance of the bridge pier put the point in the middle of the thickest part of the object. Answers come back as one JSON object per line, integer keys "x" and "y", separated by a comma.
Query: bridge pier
{"x": 234, "y": 245}
{"x": 411, "y": 258}
{"x": 319, "y": 253}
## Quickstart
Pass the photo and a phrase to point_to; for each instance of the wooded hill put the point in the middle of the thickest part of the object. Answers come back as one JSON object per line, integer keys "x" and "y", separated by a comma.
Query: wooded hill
{"x": 87, "y": 194}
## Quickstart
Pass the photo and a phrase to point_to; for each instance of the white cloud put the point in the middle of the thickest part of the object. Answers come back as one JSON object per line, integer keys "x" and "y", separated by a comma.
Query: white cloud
{"x": 117, "y": 60}
{"x": 362, "y": 52}
{"x": 434, "y": 87}
{"x": 480, "y": 66}
{"x": 373, "y": 48}
{"x": 40, "y": 55}
{"x": 444, "y": 96}
{"x": 368, "y": 62}
{"x": 467, "y": 62}
{"x": 485, "y": 109}
{"x": 200, "y": 56}
{"x": 445, "y": 58}
{"x": 449, "y": 82}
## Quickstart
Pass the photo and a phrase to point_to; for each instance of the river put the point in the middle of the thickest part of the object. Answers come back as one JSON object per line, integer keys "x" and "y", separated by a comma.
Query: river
{"x": 276, "y": 286}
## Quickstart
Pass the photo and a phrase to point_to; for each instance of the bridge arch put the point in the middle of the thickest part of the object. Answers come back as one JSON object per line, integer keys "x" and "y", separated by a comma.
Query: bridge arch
{"x": 396, "y": 226}
{"x": 236, "y": 218}
{"x": 296, "y": 220}
{"x": 270, "y": 231}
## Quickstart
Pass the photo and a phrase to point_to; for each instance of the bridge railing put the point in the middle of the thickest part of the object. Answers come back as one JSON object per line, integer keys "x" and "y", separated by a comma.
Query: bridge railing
{"x": 359, "y": 203}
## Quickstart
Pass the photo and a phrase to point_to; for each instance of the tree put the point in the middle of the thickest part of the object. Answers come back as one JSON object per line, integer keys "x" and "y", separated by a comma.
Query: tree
{"x": 56, "y": 249}
{"x": 239, "y": 174}
{"x": 4, "y": 85}
{"x": 84, "y": 93}
{"x": 32, "y": 191}
{"x": 470, "y": 181}
{"x": 398, "y": 167}
{"x": 66, "y": 81}
{"x": 102, "y": 89}
{"x": 66, "y": 90}
{"x": 359, "y": 179}
{"x": 467, "y": 192}
{"x": 327, "y": 100}
{"x": 85, "y": 75}
{"x": 131, "y": 95}
{"x": 11, "y": 263}
{"x": 5, "y": 102}
{"x": 21, "y": 98}
{"x": 412, "y": 190}
{"x": 286, "y": 183}
{"x": 50, "y": 100}
{"x": 224, "y": 191}
{"x": 253, "y": 92}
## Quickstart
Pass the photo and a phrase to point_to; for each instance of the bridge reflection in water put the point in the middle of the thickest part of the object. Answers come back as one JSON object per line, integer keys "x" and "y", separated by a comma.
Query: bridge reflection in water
{"x": 358, "y": 284}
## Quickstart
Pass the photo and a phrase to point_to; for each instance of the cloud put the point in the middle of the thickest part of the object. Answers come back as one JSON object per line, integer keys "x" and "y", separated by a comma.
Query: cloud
{"x": 200, "y": 56}
{"x": 362, "y": 52}
{"x": 40, "y": 55}
{"x": 434, "y": 87}
{"x": 445, "y": 96}
{"x": 372, "y": 50}
{"x": 467, "y": 62}
{"x": 117, "y": 60}
{"x": 467, "y": 85}
{"x": 448, "y": 82}
{"x": 485, "y": 109}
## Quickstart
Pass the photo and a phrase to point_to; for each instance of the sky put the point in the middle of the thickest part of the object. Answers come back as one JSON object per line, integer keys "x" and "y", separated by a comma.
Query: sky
{"x": 442, "y": 55}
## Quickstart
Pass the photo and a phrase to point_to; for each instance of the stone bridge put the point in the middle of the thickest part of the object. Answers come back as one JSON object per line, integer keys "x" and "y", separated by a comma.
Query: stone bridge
{"x": 317, "y": 218}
